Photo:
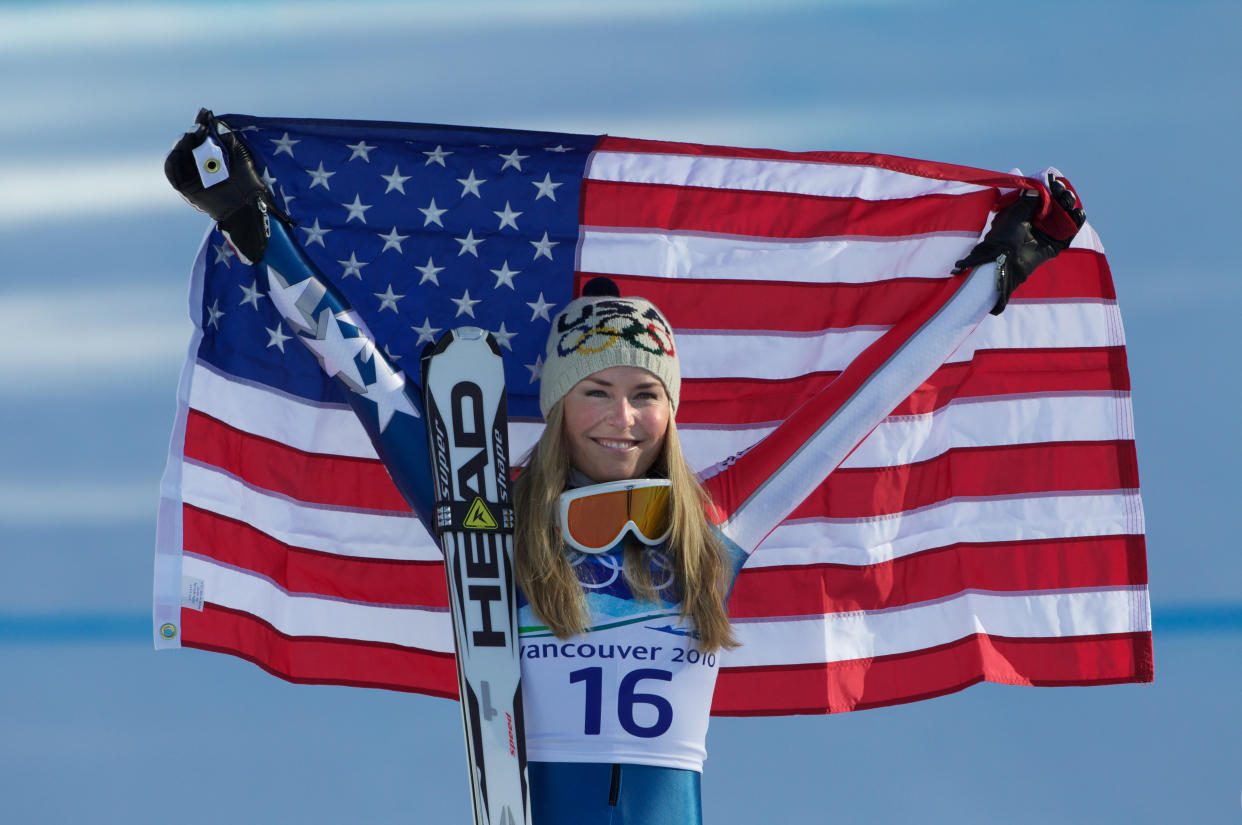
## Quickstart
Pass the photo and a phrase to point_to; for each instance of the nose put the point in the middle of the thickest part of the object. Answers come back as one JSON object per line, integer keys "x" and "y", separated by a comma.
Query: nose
{"x": 622, "y": 413}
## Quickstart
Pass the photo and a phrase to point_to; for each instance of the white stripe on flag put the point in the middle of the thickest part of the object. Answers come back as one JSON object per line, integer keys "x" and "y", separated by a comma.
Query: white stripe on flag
{"x": 819, "y": 261}
{"x": 1087, "y": 239}
{"x": 1046, "y": 325}
{"x": 318, "y": 616}
{"x": 1025, "y": 325}
{"x": 993, "y": 422}
{"x": 1003, "y": 518}
{"x": 840, "y": 637}
{"x": 833, "y": 180}
{"x": 314, "y": 428}
{"x": 719, "y": 355}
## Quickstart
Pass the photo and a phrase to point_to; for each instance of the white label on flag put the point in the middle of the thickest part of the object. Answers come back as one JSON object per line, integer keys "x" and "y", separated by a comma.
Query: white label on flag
{"x": 192, "y": 591}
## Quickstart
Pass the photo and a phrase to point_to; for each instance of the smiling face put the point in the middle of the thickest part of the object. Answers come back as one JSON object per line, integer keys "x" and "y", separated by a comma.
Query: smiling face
{"x": 615, "y": 423}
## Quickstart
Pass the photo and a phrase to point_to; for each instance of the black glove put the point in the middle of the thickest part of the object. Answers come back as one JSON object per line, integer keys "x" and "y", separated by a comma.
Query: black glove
{"x": 1020, "y": 239}
{"x": 219, "y": 178}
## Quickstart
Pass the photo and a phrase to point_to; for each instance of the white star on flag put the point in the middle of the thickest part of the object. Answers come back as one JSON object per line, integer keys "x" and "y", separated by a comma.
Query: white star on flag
{"x": 507, "y": 217}
{"x": 426, "y": 333}
{"x": 314, "y": 234}
{"x": 393, "y": 241}
{"x": 470, "y": 185}
{"x": 284, "y": 144}
{"x": 360, "y": 150}
{"x": 513, "y": 159}
{"x": 544, "y": 247}
{"x": 357, "y": 209}
{"x": 352, "y": 267}
{"x": 216, "y": 314}
{"x": 540, "y": 307}
{"x": 429, "y": 272}
{"x": 503, "y": 337}
{"x": 388, "y": 299}
{"x": 251, "y": 294}
{"x": 546, "y": 187}
{"x": 436, "y": 156}
{"x": 465, "y": 306}
{"x": 395, "y": 181}
{"x": 223, "y": 253}
{"x": 469, "y": 244}
{"x": 536, "y": 369}
{"x": 319, "y": 177}
{"x": 276, "y": 337}
{"x": 431, "y": 214}
{"x": 505, "y": 275}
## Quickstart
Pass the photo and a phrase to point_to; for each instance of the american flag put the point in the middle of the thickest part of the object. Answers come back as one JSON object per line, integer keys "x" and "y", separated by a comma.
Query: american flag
{"x": 990, "y": 528}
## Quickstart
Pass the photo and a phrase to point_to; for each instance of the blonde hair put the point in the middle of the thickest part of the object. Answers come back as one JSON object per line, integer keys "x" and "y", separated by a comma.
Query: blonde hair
{"x": 548, "y": 579}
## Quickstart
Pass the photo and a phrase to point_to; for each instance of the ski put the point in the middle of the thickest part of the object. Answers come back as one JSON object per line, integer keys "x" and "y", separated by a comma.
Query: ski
{"x": 467, "y": 428}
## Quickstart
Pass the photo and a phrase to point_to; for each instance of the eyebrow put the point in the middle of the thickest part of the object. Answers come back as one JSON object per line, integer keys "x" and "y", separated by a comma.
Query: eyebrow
{"x": 603, "y": 383}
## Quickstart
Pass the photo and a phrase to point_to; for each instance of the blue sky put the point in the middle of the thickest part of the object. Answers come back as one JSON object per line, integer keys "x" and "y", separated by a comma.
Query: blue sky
{"x": 1135, "y": 101}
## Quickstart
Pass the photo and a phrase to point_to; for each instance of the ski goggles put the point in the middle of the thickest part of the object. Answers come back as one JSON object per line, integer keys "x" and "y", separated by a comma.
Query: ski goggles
{"x": 594, "y": 518}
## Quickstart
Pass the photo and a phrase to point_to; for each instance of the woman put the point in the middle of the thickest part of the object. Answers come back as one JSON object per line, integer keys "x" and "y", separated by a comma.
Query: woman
{"x": 623, "y": 612}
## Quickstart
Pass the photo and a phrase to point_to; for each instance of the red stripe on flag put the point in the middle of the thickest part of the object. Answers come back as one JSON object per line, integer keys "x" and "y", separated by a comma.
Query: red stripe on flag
{"x": 317, "y": 660}
{"x": 300, "y": 570}
{"x": 858, "y": 684}
{"x": 740, "y": 401}
{"x": 1049, "y": 564}
{"x": 734, "y": 304}
{"x": 1015, "y": 372}
{"x": 1075, "y": 273}
{"x": 1016, "y": 469}
{"x": 896, "y": 163}
{"x": 341, "y": 481}
{"x": 990, "y": 373}
{"x": 730, "y": 304}
{"x": 777, "y": 214}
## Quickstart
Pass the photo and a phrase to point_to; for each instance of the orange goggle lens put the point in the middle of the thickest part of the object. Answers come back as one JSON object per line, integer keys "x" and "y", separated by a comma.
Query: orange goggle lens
{"x": 594, "y": 519}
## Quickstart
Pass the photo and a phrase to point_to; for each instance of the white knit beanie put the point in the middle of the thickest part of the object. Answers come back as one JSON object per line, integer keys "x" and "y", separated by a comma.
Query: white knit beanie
{"x": 598, "y": 331}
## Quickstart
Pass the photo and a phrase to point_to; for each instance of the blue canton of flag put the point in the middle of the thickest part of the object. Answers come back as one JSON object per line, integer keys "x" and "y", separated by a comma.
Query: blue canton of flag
{"x": 423, "y": 229}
